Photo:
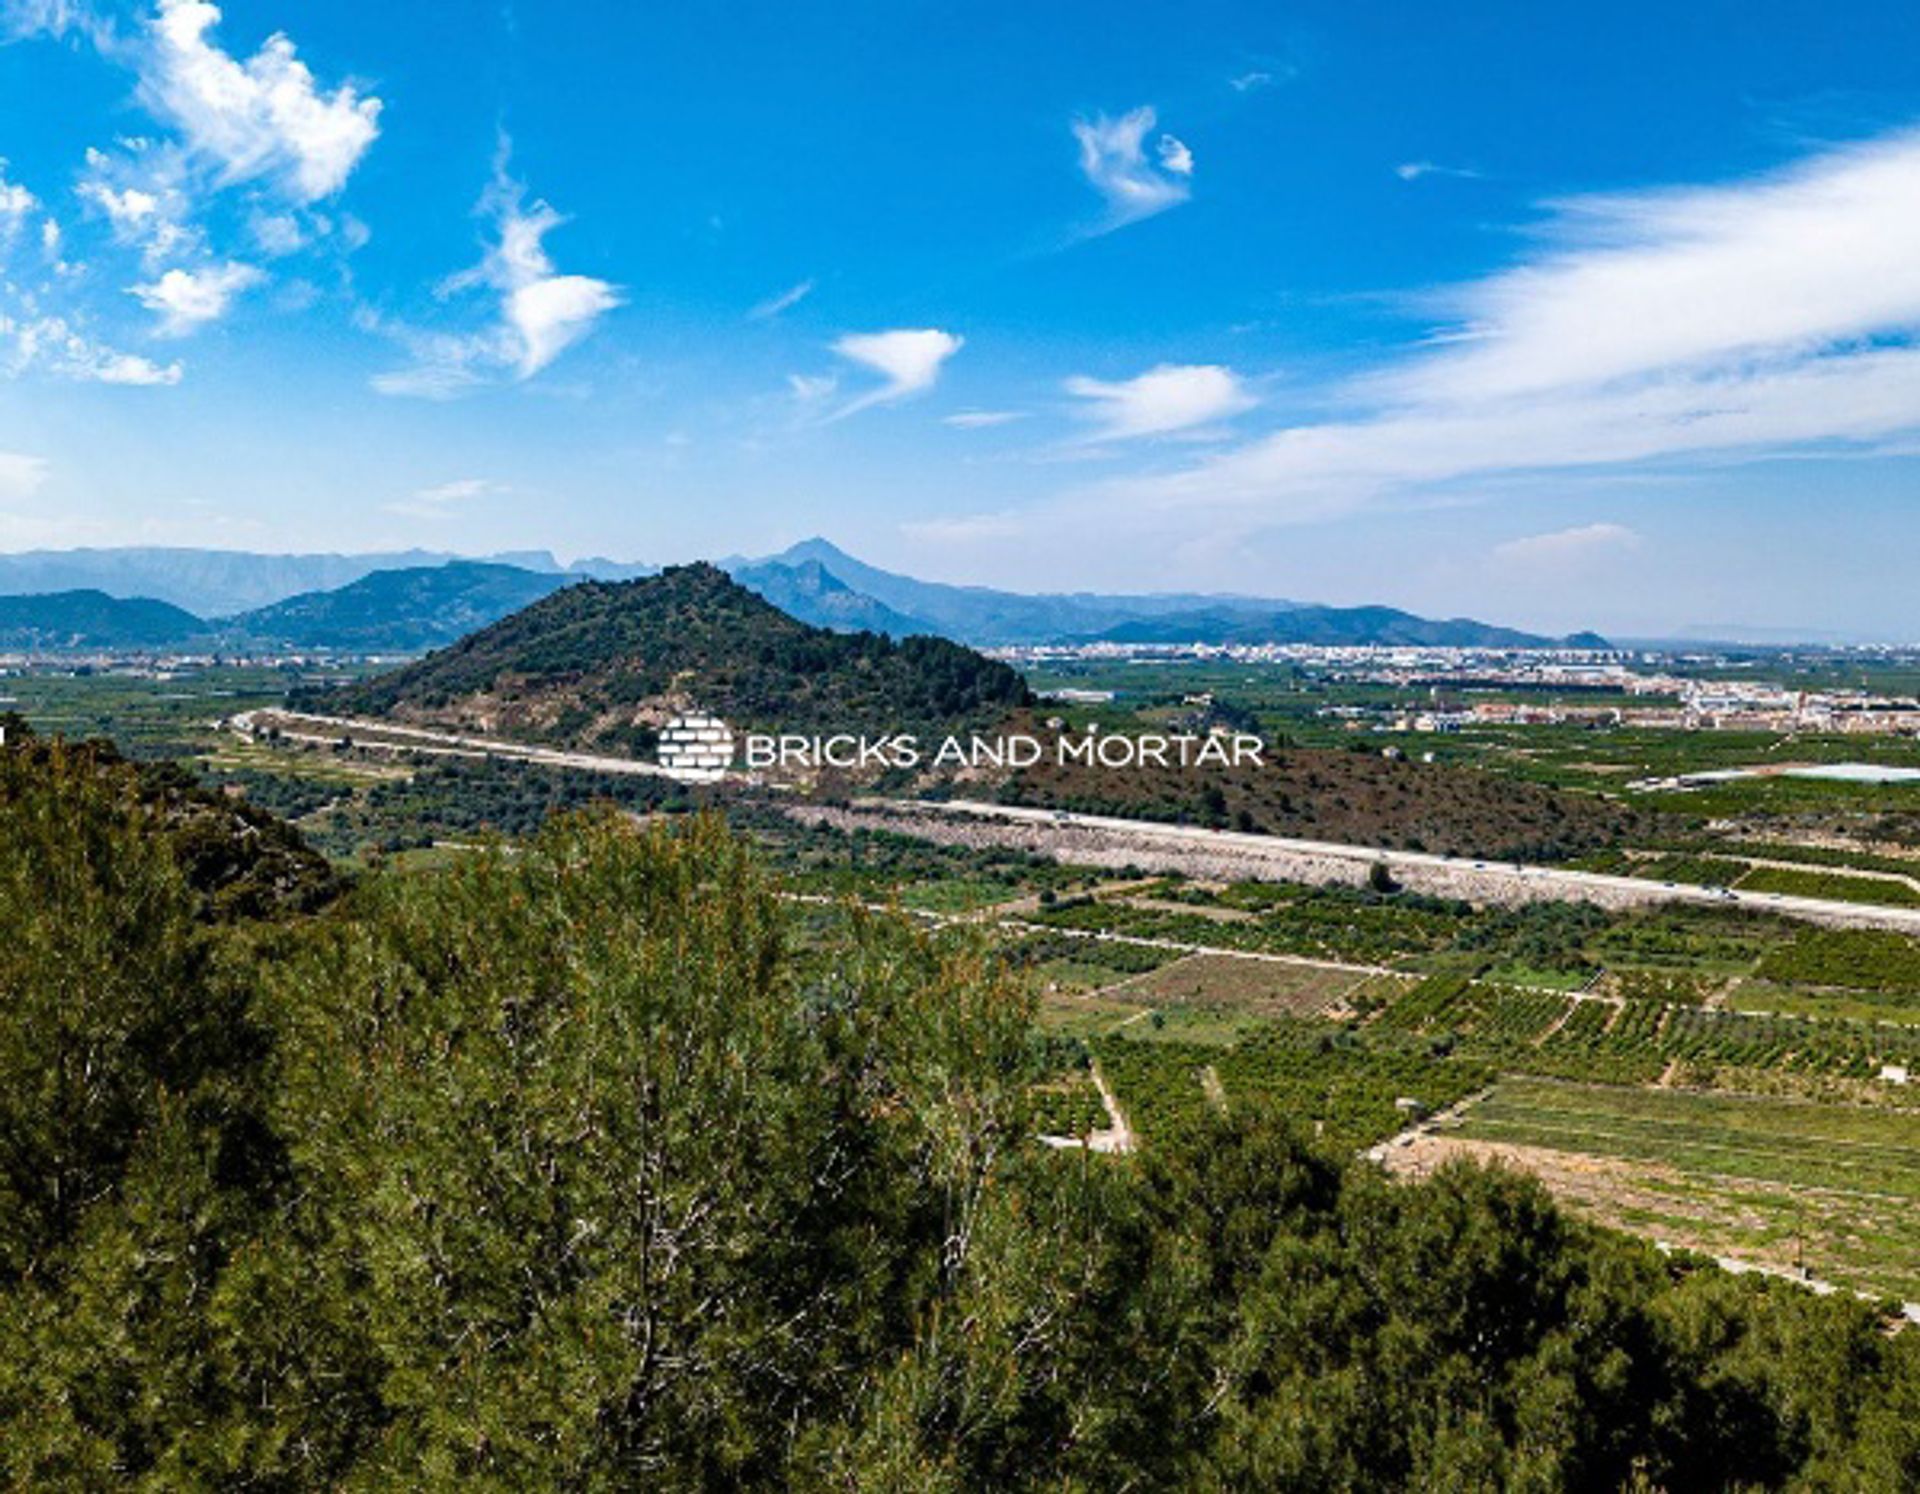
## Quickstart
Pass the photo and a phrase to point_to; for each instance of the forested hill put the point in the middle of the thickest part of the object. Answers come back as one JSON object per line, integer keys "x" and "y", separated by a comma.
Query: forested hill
{"x": 604, "y": 664}
{"x": 92, "y": 619}
{"x": 400, "y": 611}
{"x": 233, "y": 858}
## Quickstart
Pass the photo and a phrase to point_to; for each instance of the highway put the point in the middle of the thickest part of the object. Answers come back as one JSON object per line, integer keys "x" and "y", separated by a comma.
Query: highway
{"x": 325, "y": 731}
{"x": 1537, "y": 882}
{"x": 1494, "y": 879}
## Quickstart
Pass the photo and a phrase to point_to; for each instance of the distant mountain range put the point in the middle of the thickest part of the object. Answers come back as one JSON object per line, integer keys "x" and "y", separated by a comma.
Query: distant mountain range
{"x": 411, "y": 601}
{"x": 1333, "y": 627}
{"x": 985, "y": 617}
{"x": 223, "y": 583}
{"x": 809, "y": 591}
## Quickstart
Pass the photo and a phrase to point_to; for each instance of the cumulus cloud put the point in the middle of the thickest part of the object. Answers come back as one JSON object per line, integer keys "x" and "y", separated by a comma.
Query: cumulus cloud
{"x": 1771, "y": 315}
{"x": 785, "y": 301}
{"x": 15, "y": 201}
{"x": 541, "y": 313}
{"x": 1114, "y": 161}
{"x": 265, "y": 117}
{"x": 1164, "y": 400}
{"x": 908, "y": 361}
{"x": 186, "y": 300}
{"x": 1565, "y": 547}
{"x": 128, "y": 209}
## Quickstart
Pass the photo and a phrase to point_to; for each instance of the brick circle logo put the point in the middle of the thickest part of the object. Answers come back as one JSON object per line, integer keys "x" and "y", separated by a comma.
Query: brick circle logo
{"x": 697, "y": 745}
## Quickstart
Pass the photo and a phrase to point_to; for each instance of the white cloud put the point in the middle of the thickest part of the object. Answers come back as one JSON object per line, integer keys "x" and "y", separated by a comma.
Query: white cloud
{"x": 812, "y": 389}
{"x": 439, "y": 501}
{"x": 53, "y": 343}
{"x": 908, "y": 360}
{"x": 1113, "y": 160}
{"x": 978, "y": 420}
{"x": 1565, "y": 547}
{"x": 128, "y": 208}
{"x": 785, "y": 301}
{"x": 262, "y": 118}
{"x": 186, "y": 300}
{"x": 552, "y": 312}
{"x": 1163, "y": 400}
{"x": 15, "y": 201}
{"x": 107, "y": 367}
{"x": 145, "y": 193}
{"x": 1765, "y": 317}
{"x": 277, "y": 234}
{"x": 541, "y": 313}
{"x": 1412, "y": 171}
{"x": 1247, "y": 82}
{"x": 429, "y": 380}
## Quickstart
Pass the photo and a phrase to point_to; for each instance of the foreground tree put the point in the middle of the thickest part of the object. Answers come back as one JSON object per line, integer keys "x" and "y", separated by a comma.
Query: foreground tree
{"x": 595, "y": 1164}
{"x": 621, "y": 1186}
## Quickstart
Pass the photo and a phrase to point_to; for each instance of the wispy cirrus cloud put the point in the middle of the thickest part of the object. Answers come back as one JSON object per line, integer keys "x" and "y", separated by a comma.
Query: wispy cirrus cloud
{"x": 442, "y": 500}
{"x": 56, "y": 345}
{"x": 1114, "y": 160}
{"x": 1172, "y": 398}
{"x": 1767, "y": 316}
{"x": 539, "y": 312}
{"x": 1413, "y": 171}
{"x": 980, "y": 420}
{"x": 785, "y": 301}
{"x": 1566, "y": 547}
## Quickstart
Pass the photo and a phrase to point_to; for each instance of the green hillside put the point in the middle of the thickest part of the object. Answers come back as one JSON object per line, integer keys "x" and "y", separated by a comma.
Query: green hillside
{"x": 92, "y": 619}
{"x": 603, "y": 664}
{"x": 234, "y": 859}
{"x": 400, "y": 611}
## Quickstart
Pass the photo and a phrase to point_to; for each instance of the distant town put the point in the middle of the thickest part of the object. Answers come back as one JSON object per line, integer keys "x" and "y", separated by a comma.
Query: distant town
{"x": 1680, "y": 690}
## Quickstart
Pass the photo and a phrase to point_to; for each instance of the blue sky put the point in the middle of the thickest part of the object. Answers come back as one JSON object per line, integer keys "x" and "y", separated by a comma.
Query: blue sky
{"x": 1565, "y": 319}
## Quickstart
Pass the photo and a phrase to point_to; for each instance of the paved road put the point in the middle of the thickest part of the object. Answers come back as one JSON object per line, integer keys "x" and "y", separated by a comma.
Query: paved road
{"x": 1532, "y": 881}
{"x": 1537, "y": 881}
{"x": 308, "y": 726}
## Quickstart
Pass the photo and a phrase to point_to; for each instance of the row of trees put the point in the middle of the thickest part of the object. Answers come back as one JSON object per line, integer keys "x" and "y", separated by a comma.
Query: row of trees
{"x": 576, "y": 1168}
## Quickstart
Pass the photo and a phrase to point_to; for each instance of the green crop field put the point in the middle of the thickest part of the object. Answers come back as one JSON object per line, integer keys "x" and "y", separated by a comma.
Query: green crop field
{"x": 1745, "y": 1176}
